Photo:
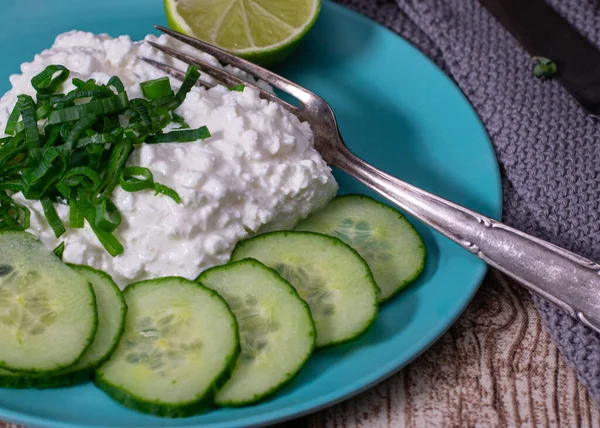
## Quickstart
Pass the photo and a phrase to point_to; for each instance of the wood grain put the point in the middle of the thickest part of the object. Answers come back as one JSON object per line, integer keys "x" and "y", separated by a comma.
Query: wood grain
{"x": 496, "y": 367}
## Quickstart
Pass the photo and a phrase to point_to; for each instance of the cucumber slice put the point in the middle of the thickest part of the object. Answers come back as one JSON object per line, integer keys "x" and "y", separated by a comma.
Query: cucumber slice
{"x": 329, "y": 275}
{"x": 277, "y": 332}
{"x": 179, "y": 347}
{"x": 381, "y": 235}
{"x": 48, "y": 312}
{"x": 111, "y": 320}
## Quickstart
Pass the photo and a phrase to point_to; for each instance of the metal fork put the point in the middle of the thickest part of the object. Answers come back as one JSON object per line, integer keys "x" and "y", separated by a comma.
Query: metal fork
{"x": 566, "y": 279}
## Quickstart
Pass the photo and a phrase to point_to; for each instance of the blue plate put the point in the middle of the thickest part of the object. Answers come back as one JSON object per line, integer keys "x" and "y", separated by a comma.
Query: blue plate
{"x": 397, "y": 110}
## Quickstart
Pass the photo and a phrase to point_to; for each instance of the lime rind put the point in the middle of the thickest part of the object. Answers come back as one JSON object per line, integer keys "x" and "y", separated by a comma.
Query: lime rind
{"x": 259, "y": 55}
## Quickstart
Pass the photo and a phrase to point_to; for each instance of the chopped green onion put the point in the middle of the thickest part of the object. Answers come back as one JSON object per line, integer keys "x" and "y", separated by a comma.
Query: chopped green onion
{"x": 52, "y": 217}
{"x": 13, "y": 216}
{"x": 47, "y": 169}
{"x": 543, "y": 67}
{"x": 107, "y": 217}
{"x": 32, "y": 136}
{"x": 239, "y": 87}
{"x": 110, "y": 243}
{"x": 167, "y": 191}
{"x": 179, "y": 120}
{"x": 80, "y": 93}
{"x": 78, "y": 207}
{"x": 59, "y": 250}
{"x": 116, "y": 83}
{"x": 13, "y": 119}
{"x": 157, "y": 88}
{"x": 112, "y": 104}
{"x": 81, "y": 176}
{"x": 81, "y": 155}
{"x": 95, "y": 139}
{"x": 136, "y": 178}
{"x": 52, "y": 134}
{"x": 183, "y": 136}
{"x": 146, "y": 114}
{"x": 191, "y": 77}
{"x": 116, "y": 163}
{"x": 133, "y": 138}
{"x": 42, "y": 111}
{"x": 80, "y": 126}
{"x": 46, "y": 82}
{"x": 90, "y": 85}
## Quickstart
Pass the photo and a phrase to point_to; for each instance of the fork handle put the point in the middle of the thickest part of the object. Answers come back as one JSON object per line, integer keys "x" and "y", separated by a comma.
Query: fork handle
{"x": 565, "y": 278}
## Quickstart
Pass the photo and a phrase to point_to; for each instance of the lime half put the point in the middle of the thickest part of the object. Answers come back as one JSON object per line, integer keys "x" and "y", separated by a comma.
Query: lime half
{"x": 263, "y": 31}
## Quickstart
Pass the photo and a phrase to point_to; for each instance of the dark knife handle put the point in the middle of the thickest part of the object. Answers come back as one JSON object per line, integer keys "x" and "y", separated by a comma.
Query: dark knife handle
{"x": 543, "y": 32}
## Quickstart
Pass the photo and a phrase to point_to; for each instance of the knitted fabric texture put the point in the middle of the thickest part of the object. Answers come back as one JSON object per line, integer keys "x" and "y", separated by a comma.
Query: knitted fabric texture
{"x": 548, "y": 149}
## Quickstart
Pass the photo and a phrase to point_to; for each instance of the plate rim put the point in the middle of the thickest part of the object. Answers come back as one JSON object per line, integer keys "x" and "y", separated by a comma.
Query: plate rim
{"x": 382, "y": 372}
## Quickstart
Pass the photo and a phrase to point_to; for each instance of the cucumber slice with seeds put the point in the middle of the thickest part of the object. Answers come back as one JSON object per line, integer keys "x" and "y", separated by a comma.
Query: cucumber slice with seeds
{"x": 179, "y": 347}
{"x": 382, "y": 235}
{"x": 48, "y": 312}
{"x": 111, "y": 320}
{"x": 277, "y": 332}
{"x": 329, "y": 275}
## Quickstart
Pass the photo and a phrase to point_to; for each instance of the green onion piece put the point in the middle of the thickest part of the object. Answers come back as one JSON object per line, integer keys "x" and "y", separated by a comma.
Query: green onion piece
{"x": 47, "y": 169}
{"x": 81, "y": 176}
{"x": 46, "y": 82}
{"x": 94, "y": 149}
{"x": 76, "y": 219}
{"x": 80, "y": 126}
{"x": 32, "y": 136}
{"x": 80, "y": 93}
{"x": 52, "y": 217}
{"x": 110, "y": 243}
{"x": 133, "y": 138}
{"x": 95, "y": 139}
{"x": 52, "y": 134}
{"x": 14, "y": 185}
{"x": 116, "y": 163}
{"x": 239, "y": 87}
{"x": 78, "y": 207}
{"x": 107, "y": 217}
{"x": 157, "y": 88}
{"x": 136, "y": 178}
{"x": 65, "y": 130}
{"x": 112, "y": 104}
{"x": 179, "y": 120}
{"x": 110, "y": 123}
{"x": 42, "y": 111}
{"x": 116, "y": 83}
{"x": 191, "y": 77}
{"x": 13, "y": 216}
{"x": 146, "y": 114}
{"x": 13, "y": 119}
{"x": 167, "y": 191}
{"x": 8, "y": 154}
{"x": 91, "y": 85}
{"x": 163, "y": 101}
{"x": 184, "y": 136}
{"x": 59, "y": 250}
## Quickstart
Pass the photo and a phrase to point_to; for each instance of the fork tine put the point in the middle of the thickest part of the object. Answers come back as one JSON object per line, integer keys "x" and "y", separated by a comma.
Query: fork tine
{"x": 225, "y": 57}
{"x": 223, "y": 76}
{"x": 172, "y": 71}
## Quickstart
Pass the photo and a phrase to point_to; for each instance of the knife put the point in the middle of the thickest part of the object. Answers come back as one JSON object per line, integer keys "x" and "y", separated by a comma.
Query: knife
{"x": 543, "y": 32}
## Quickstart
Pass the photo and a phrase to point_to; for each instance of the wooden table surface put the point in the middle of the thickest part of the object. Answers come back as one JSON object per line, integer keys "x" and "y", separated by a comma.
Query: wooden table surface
{"x": 496, "y": 367}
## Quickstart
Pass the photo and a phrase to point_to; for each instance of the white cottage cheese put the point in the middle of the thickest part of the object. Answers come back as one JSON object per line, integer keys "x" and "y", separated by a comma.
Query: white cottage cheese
{"x": 258, "y": 172}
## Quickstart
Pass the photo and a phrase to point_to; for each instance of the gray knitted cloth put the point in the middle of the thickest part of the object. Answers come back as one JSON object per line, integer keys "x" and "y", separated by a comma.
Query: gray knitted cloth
{"x": 548, "y": 150}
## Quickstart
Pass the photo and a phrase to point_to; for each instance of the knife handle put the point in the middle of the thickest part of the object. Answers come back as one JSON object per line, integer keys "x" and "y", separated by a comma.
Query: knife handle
{"x": 562, "y": 277}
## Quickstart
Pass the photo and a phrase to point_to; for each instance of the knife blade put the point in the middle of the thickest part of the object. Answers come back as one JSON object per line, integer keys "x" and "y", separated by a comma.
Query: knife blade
{"x": 543, "y": 32}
